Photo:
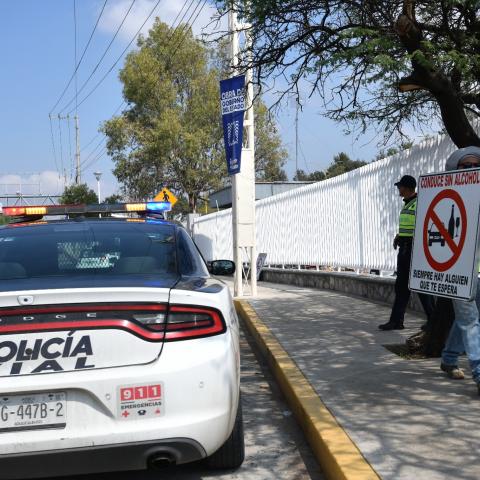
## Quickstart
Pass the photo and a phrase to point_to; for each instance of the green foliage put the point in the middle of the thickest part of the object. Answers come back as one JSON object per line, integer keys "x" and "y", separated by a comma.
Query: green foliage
{"x": 355, "y": 54}
{"x": 270, "y": 155}
{"x": 342, "y": 163}
{"x": 78, "y": 194}
{"x": 114, "y": 198}
{"x": 171, "y": 134}
{"x": 393, "y": 150}
{"x": 302, "y": 176}
{"x": 4, "y": 219}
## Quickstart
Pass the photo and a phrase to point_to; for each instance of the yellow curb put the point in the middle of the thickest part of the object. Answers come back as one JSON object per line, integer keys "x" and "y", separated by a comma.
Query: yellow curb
{"x": 338, "y": 456}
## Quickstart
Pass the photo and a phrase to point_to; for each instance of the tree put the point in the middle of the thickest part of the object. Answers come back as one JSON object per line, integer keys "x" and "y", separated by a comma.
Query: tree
{"x": 316, "y": 176}
{"x": 393, "y": 150}
{"x": 171, "y": 133}
{"x": 342, "y": 163}
{"x": 76, "y": 194}
{"x": 382, "y": 62}
{"x": 114, "y": 198}
{"x": 270, "y": 155}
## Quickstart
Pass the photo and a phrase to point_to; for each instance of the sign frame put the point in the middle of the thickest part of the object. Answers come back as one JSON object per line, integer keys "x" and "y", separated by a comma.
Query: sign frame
{"x": 424, "y": 277}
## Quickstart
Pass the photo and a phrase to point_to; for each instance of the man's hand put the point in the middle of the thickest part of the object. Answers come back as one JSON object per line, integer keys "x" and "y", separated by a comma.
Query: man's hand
{"x": 395, "y": 242}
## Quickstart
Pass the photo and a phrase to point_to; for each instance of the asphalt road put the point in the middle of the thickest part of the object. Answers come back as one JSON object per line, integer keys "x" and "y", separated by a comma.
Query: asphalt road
{"x": 275, "y": 446}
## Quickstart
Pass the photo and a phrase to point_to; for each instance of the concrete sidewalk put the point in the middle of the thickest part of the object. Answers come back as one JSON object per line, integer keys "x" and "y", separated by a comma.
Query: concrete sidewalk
{"x": 407, "y": 419}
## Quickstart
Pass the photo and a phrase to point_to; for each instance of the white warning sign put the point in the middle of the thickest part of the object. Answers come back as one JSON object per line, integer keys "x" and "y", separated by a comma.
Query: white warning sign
{"x": 445, "y": 257}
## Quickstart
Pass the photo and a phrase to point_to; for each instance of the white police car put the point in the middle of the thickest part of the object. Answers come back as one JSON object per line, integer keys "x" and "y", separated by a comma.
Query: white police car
{"x": 118, "y": 351}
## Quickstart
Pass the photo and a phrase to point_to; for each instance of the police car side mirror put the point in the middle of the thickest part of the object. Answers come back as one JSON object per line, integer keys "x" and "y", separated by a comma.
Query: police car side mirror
{"x": 222, "y": 267}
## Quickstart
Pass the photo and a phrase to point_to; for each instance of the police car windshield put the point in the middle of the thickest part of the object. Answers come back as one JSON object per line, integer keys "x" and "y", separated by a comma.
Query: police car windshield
{"x": 90, "y": 252}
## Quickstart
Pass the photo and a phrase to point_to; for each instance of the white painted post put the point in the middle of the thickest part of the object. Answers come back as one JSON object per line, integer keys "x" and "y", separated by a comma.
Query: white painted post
{"x": 243, "y": 183}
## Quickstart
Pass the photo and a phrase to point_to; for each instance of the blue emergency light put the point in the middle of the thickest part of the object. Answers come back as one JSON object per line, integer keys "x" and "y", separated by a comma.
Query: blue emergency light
{"x": 159, "y": 206}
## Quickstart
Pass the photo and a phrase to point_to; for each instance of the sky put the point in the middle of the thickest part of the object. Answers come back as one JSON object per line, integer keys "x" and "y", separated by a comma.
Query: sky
{"x": 38, "y": 59}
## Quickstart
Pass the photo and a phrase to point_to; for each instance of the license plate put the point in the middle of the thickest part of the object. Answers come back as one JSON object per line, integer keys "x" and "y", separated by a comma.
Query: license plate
{"x": 33, "y": 411}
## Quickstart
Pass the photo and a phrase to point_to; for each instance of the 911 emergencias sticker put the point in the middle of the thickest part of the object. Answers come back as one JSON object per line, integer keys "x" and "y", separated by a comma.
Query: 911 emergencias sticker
{"x": 136, "y": 402}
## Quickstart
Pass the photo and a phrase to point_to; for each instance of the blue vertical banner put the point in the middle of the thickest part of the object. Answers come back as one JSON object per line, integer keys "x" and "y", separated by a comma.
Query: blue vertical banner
{"x": 232, "y": 92}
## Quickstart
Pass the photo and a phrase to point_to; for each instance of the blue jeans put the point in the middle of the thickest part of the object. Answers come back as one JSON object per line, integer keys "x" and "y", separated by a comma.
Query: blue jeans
{"x": 464, "y": 335}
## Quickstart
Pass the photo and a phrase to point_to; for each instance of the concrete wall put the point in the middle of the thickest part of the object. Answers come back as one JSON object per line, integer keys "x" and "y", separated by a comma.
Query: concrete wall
{"x": 372, "y": 287}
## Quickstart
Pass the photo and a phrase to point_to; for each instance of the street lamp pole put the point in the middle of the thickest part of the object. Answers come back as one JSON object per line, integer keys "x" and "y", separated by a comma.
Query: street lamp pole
{"x": 98, "y": 176}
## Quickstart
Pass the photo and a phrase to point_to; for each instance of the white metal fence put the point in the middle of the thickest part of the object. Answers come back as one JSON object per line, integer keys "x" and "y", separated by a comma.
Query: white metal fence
{"x": 347, "y": 221}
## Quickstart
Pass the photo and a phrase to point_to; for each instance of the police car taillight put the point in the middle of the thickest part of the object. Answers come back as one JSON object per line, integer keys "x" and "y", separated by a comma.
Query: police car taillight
{"x": 154, "y": 323}
{"x": 185, "y": 323}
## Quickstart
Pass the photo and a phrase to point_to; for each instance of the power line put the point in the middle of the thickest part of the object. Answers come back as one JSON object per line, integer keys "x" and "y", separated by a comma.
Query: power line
{"x": 101, "y": 58}
{"x": 100, "y": 133}
{"x": 189, "y": 25}
{"x": 118, "y": 59}
{"x": 174, "y": 30}
{"x": 81, "y": 58}
{"x": 61, "y": 143}
{"x": 91, "y": 141}
{"x": 183, "y": 38}
{"x": 92, "y": 153}
{"x": 95, "y": 160}
{"x": 178, "y": 14}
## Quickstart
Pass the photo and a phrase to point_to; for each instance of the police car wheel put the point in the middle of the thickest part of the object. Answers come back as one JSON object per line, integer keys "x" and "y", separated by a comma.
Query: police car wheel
{"x": 232, "y": 453}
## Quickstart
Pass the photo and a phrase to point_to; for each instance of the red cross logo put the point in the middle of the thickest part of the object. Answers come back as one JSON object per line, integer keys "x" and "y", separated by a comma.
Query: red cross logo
{"x": 125, "y": 414}
{"x": 157, "y": 411}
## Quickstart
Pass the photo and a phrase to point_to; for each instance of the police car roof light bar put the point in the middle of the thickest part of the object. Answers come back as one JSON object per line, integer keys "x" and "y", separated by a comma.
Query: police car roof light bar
{"x": 36, "y": 211}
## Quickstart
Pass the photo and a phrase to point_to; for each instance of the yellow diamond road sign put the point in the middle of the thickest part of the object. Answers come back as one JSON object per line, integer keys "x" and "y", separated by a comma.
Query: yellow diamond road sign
{"x": 165, "y": 195}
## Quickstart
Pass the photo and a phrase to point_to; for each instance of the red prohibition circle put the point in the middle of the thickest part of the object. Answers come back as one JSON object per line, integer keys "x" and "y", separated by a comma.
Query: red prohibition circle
{"x": 431, "y": 215}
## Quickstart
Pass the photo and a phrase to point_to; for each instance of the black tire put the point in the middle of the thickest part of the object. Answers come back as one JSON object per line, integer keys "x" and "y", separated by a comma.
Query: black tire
{"x": 232, "y": 453}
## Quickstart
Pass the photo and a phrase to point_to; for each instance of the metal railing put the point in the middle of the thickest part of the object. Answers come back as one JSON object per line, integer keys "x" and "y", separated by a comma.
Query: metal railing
{"x": 347, "y": 221}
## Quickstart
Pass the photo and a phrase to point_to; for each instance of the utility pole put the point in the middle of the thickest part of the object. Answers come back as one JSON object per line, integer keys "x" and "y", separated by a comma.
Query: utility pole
{"x": 64, "y": 170}
{"x": 78, "y": 176}
{"x": 296, "y": 137}
{"x": 243, "y": 183}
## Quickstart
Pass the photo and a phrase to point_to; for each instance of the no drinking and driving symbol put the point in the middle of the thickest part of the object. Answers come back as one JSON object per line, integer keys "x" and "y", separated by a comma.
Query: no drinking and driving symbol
{"x": 445, "y": 245}
{"x": 437, "y": 236}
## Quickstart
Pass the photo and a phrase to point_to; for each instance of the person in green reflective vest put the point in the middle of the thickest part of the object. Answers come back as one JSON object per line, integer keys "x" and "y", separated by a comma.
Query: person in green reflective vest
{"x": 403, "y": 241}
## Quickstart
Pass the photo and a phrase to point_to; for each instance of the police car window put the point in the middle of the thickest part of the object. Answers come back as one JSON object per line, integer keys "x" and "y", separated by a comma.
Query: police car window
{"x": 102, "y": 249}
{"x": 190, "y": 262}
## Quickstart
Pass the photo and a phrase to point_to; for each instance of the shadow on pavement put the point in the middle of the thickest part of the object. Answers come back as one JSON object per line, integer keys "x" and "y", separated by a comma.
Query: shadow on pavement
{"x": 275, "y": 447}
{"x": 406, "y": 417}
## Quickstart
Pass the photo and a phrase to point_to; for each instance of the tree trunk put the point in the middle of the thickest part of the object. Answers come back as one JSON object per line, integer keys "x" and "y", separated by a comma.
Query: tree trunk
{"x": 428, "y": 77}
{"x": 192, "y": 202}
{"x": 455, "y": 120}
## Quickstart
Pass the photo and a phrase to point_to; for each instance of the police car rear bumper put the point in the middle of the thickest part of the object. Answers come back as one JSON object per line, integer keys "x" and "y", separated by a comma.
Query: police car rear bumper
{"x": 104, "y": 458}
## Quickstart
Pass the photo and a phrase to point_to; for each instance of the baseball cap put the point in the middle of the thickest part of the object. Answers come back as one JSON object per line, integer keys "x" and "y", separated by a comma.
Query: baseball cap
{"x": 407, "y": 181}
